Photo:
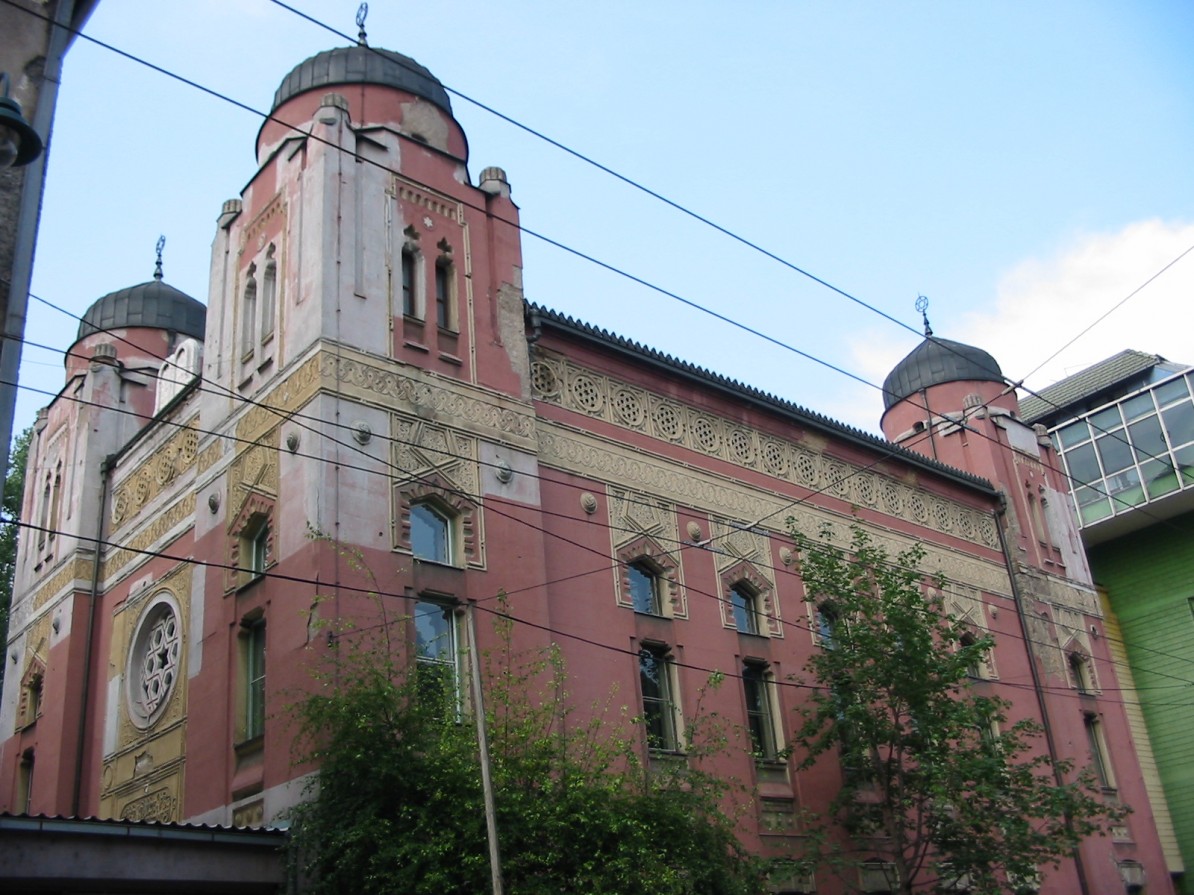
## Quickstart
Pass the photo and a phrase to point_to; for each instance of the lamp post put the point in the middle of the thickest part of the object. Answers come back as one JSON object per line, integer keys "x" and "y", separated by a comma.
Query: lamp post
{"x": 19, "y": 142}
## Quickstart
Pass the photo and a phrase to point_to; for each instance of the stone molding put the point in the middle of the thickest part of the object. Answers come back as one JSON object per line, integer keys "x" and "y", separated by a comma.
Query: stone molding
{"x": 559, "y": 381}
{"x": 420, "y": 196}
{"x": 387, "y": 383}
{"x": 593, "y": 457}
{"x": 646, "y": 526}
{"x": 432, "y": 460}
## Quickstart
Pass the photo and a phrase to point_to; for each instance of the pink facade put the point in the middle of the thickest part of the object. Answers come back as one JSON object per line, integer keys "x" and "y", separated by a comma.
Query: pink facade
{"x": 372, "y": 381}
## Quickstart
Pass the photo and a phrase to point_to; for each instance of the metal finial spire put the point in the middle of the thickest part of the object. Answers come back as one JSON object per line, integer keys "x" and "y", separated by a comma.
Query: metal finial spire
{"x": 922, "y": 305}
{"x": 362, "y": 14}
{"x": 157, "y": 268}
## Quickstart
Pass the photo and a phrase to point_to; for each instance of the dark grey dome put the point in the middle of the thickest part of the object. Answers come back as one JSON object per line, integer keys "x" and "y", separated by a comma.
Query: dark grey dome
{"x": 362, "y": 65}
{"x": 153, "y": 304}
{"x": 935, "y": 361}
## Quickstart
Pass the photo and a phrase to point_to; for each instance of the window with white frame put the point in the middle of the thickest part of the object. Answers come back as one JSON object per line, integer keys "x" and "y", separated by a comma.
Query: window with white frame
{"x": 1099, "y": 759}
{"x": 744, "y": 601}
{"x": 430, "y": 533}
{"x": 660, "y": 708}
{"x": 642, "y": 580}
{"x": 757, "y": 684}
{"x": 253, "y": 659}
{"x": 437, "y": 653}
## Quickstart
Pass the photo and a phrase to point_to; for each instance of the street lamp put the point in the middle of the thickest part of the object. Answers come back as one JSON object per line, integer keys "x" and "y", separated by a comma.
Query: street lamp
{"x": 19, "y": 143}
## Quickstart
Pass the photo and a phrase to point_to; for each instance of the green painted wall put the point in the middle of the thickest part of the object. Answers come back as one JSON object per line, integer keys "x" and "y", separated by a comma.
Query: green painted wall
{"x": 1149, "y": 579}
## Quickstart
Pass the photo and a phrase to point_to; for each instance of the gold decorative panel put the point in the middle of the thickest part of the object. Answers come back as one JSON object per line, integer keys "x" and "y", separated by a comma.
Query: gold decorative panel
{"x": 283, "y": 400}
{"x": 155, "y": 474}
{"x": 134, "y": 549}
{"x": 73, "y": 571}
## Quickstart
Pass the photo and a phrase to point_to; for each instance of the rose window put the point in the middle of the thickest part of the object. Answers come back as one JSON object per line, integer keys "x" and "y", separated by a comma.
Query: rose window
{"x": 153, "y": 665}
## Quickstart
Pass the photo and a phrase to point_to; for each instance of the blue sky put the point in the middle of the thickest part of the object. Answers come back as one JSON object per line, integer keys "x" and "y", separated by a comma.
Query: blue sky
{"x": 1026, "y": 166}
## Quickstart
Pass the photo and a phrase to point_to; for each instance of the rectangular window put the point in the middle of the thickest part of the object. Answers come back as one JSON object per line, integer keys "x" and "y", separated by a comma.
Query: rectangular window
{"x": 443, "y": 295}
{"x": 408, "y": 283}
{"x": 756, "y": 681}
{"x": 437, "y": 654}
{"x": 1098, "y": 751}
{"x": 744, "y": 602}
{"x": 644, "y": 588}
{"x": 659, "y": 706}
{"x": 25, "y": 783}
{"x": 259, "y": 551}
{"x": 254, "y": 647}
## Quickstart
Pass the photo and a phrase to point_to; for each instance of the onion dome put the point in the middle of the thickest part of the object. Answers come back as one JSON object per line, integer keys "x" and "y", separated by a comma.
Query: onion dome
{"x": 362, "y": 64}
{"x": 154, "y": 305}
{"x": 935, "y": 361}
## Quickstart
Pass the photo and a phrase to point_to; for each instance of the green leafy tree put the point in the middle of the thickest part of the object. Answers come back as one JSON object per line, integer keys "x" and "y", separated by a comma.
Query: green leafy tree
{"x": 10, "y": 530}
{"x": 937, "y": 785}
{"x": 398, "y": 804}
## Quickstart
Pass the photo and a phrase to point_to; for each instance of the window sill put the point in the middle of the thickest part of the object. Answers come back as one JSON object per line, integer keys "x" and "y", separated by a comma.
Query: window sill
{"x": 415, "y": 346}
{"x": 451, "y": 359}
{"x": 250, "y": 747}
{"x": 245, "y": 586}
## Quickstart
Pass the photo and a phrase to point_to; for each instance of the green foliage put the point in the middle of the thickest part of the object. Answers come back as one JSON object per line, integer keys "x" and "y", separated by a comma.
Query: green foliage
{"x": 14, "y": 490}
{"x": 936, "y": 781}
{"x": 398, "y": 806}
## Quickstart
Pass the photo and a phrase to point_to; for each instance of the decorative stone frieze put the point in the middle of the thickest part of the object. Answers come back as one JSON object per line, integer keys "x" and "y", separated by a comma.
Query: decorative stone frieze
{"x": 390, "y": 385}
{"x": 599, "y": 458}
{"x": 562, "y": 382}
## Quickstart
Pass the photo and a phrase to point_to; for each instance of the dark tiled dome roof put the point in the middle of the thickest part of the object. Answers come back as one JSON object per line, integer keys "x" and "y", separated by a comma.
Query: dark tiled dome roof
{"x": 154, "y": 304}
{"x": 362, "y": 65}
{"x": 935, "y": 361}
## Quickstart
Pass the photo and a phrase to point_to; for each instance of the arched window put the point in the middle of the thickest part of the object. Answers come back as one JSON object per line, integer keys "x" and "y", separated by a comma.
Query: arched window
{"x": 269, "y": 295}
{"x": 248, "y": 330}
{"x": 744, "y": 601}
{"x": 643, "y": 582}
{"x": 430, "y": 533}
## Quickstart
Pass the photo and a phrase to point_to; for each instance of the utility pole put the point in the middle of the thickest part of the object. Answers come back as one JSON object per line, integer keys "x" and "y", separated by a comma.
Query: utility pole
{"x": 474, "y": 661}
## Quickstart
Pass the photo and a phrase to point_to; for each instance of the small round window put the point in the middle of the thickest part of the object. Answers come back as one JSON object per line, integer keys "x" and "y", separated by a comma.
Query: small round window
{"x": 153, "y": 663}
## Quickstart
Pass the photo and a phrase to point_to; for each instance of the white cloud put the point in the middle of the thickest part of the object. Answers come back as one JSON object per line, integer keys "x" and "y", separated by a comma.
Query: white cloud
{"x": 1041, "y": 304}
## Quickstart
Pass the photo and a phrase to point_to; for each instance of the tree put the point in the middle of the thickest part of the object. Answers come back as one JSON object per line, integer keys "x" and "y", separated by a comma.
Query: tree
{"x": 398, "y": 805}
{"x": 937, "y": 785}
{"x": 10, "y": 529}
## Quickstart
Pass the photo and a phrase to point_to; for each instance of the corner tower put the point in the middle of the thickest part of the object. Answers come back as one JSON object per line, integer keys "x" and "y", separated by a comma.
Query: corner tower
{"x": 362, "y": 228}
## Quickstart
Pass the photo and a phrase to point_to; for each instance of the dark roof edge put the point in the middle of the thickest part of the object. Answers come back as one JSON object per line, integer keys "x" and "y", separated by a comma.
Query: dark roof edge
{"x": 540, "y": 315}
{"x": 131, "y": 829}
